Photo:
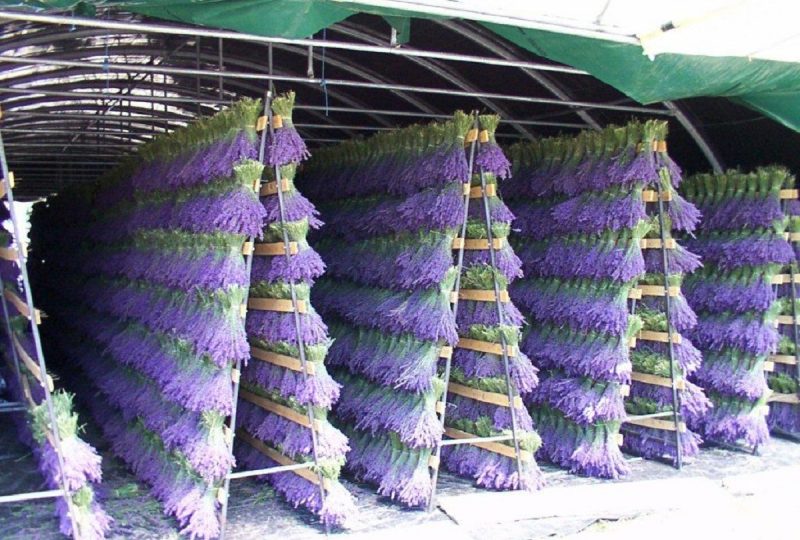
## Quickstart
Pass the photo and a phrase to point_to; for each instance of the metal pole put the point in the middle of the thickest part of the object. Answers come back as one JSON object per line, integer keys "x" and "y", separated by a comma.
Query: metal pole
{"x": 140, "y": 68}
{"x": 694, "y": 133}
{"x": 223, "y": 519}
{"x": 220, "y": 67}
{"x": 138, "y": 27}
{"x": 437, "y": 450}
{"x": 22, "y": 256}
{"x": 510, "y": 391}
{"x": 676, "y": 399}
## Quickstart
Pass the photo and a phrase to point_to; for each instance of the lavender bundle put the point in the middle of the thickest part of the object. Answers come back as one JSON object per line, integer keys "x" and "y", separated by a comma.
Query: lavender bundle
{"x": 81, "y": 472}
{"x": 150, "y": 289}
{"x": 651, "y": 391}
{"x": 392, "y": 205}
{"x": 275, "y": 373}
{"x": 480, "y": 321}
{"x": 582, "y": 218}
{"x": 742, "y": 244}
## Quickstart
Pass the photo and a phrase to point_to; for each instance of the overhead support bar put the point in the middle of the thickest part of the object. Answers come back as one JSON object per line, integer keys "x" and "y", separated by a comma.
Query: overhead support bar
{"x": 695, "y": 134}
{"x": 139, "y": 68}
{"x": 195, "y": 32}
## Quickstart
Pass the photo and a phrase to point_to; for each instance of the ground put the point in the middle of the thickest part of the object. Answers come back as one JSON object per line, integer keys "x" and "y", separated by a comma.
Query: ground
{"x": 723, "y": 494}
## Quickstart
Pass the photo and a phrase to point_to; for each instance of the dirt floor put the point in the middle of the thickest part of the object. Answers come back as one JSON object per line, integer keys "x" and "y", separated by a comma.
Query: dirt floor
{"x": 723, "y": 494}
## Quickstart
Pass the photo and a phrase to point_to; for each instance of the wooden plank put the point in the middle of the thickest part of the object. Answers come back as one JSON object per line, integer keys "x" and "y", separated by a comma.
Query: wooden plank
{"x": 480, "y": 395}
{"x": 261, "y": 123}
{"x": 276, "y": 304}
{"x": 477, "y": 192}
{"x": 485, "y": 346}
{"x": 783, "y": 359}
{"x": 787, "y": 320}
{"x": 648, "y": 378}
{"x": 433, "y": 462}
{"x": 275, "y": 248}
{"x": 22, "y": 306}
{"x": 271, "y": 188}
{"x": 495, "y": 447}
{"x": 471, "y": 136}
{"x": 276, "y": 408}
{"x": 478, "y": 244}
{"x": 247, "y": 248}
{"x": 446, "y": 352}
{"x": 236, "y": 375}
{"x": 662, "y": 337}
{"x": 788, "y": 194}
{"x": 656, "y": 423}
{"x": 784, "y": 398}
{"x": 624, "y": 390}
{"x": 9, "y": 254}
{"x": 632, "y": 343}
{"x": 651, "y": 195}
{"x": 439, "y": 407}
{"x": 769, "y": 366}
{"x": 481, "y": 295}
{"x": 658, "y": 290}
{"x": 281, "y": 360}
{"x": 655, "y": 243}
{"x": 280, "y": 459}
{"x": 794, "y": 237}
{"x": 620, "y": 439}
{"x": 784, "y": 279}
{"x": 635, "y": 294}
{"x": 32, "y": 365}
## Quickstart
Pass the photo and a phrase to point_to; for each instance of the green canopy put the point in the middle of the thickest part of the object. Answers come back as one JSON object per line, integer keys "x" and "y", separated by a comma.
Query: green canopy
{"x": 768, "y": 86}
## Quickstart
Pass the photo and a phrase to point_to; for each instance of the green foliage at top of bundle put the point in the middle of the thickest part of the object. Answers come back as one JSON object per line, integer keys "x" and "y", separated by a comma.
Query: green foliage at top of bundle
{"x": 570, "y": 150}
{"x": 66, "y": 419}
{"x": 413, "y": 140}
{"x": 763, "y": 182}
{"x": 489, "y": 122}
{"x": 283, "y": 106}
{"x": 240, "y": 116}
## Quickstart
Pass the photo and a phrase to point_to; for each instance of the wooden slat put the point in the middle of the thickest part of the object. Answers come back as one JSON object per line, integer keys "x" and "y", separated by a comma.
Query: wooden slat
{"x": 276, "y": 304}
{"x": 787, "y": 320}
{"x": 651, "y": 195}
{"x": 619, "y": 439}
{"x": 624, "y": 390}
{"x": 635, "y": 294}
{"x": 788, "y": 194}
{"x": 446, "y": 352}
{"x": 9, "y": 254}
{"x": 662, "y": 337}
{"x": 655, "y": 243}
{"x": 276, "y": 408}
{"x": 769, "y": 366}
{"x": 261, "y": 123}
{"x": 281, "y": 360}
{"x": 280, "y": 459}
{"x": 478, "y": 244}
{"x": 32, "y": 365}
{"x": 495, "y": 447}
{"x": 485, "y": 346}
{"x": 275, "y": 248}
{"x": 477, "y": 192}
{"x": 236, "y": 375}
{"x": 472, "y": 136}
{"x": 247, "y": 248}
{"x": 439, "y": 407}
{"x": 480, "y": 395}
{"x": 784, "y": 398}
{"x": 794, "y": 237}
{"x": 481, "y": 295}
{"x": 632, "y": 343}
{"x": 656, "y": 423}
{"x": 271, "y": 188}
{"x": 783, "y": 359}
{"x": 658, "y": 290}
{"x": 648, "y": 378}
{"x": 22, "y": 306}
{"x": 784, "y": 279}
{"x": 433, "y": 462}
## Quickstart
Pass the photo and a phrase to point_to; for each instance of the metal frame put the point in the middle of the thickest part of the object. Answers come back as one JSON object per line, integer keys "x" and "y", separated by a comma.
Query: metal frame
{"x": 675, "y": 413}
{"x": 510, "y": 387}
{"x": 53, "y": 435}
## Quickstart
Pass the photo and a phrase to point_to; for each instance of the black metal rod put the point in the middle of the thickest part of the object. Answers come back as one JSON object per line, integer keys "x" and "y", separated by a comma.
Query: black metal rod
{"x": 510, "y": 387}
{"x": 448, "y": 362}
{"x": 51, "y": 411}
{"x": 223, "y": 519}
{"x": 676, "y": 399}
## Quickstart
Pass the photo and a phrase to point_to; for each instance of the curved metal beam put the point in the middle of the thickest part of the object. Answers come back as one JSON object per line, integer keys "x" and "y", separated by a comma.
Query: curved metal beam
{"x": 697, "y": 136}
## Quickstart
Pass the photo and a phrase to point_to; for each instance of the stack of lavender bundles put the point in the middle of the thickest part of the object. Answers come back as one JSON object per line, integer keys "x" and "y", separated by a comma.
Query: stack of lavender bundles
{"x": 274, "y": 372}
{"x": 580, "y": 210}
{"x": 81, "y": 462}
{"x": 152, "y": 288}
{"x": 392, "y": 205}
{"x": 742, "y": 245}
{"x": 479, "y": 326}
{"x": 651, "y": 387}
{"x": 784, "y": 409}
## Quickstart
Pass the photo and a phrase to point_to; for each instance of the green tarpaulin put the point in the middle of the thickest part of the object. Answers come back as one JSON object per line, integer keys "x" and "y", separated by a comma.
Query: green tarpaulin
{"x": 771, "y": 87}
